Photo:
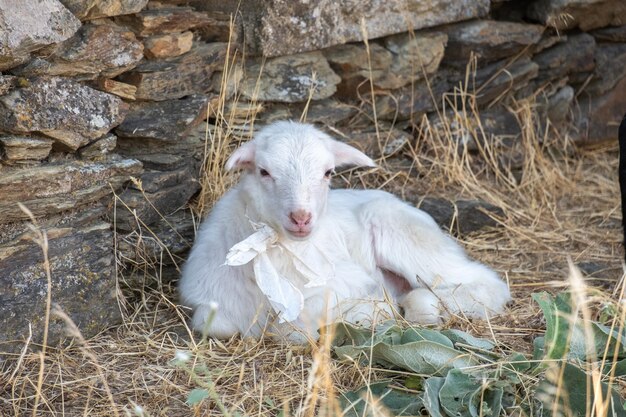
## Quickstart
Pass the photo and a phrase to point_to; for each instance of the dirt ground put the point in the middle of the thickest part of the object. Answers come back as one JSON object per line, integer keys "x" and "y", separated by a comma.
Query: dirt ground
{"x": 560, "y": 202}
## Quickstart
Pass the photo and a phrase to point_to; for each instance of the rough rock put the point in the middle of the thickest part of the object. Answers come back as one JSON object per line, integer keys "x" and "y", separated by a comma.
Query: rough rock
{"x": 462, "y": 216}
{"x": 548, "y": 40}
{"x": 55, "y": 187}
{"x": 161, "y": 160}
{"x": 93, "y": 9}
{"x": 166, "y": 20}
{"x": 220, "y": 29}
{"x": 187, "y": 151}
{"x": 155, "y": 181}
{"x": 240, "y": 113}
{"x": 69, "y": 112}
{"x": 409, "y": 101}
{"x": 559, "y": 105}
{"x": 354, "y": 65}
{"x": 414, "y": 57}
{"x": 8, "y": 83}
{"x": 95, "y": 50}
{"x": 282, "y": 27}
{"x": 160, "y": 194}
{"x": 166, "y": 242}
{"x": 496, "y": 125}
{"x": 99, "y": 149}
{"x": 610, "y": 34}
{"x": 167, "y": 3}
{"x": 165, "y": 120}
{"x": 116, "y": 88}
{"x": 177, "y": 77}
{"x": 610, "y": 67}
{"x": 488, "y": 40}
{"x": 600, "y": 117}
{"x": 403, "y": 58}
{"x": 168, "y": 46}
{"x": 290, "y": 79}
{"x": 82, "y": 264}
{"x": 499, "y": 122}
{"x": 584, "y": 14}
{"x": 29, "y": 25}
{"x": 387, "y": 143}
{"x": 507, "y": 10}
{"x": 20, "y": 149}
{"x": 499, "y": 79}
{"x": 328, "y": 111}
{"x": 575, "y": 54}
{"x": 226, "y": 85}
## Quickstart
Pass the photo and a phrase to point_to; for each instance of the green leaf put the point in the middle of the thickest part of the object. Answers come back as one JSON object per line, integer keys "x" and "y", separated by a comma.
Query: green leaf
{"x": 458, "y": 336}
{"x": 399, "y": 403}
{"x": 425, "y": 357}
{"x": 555, "y": 312}
{"x": 423, "y": 351}
{"x": 414, "y": 334}
{"x": 196, "y": 396}
{"x": 455, "y": 395}
{"x": 432, "y": 387}
{"x": 620, "y": 368}
{"x": 490, "y": 401}
{"x": 517, "y": 362}
{"x": 567, "y": 390}
{"x": 463, "y": 395}
{"x": 565, "y": 334}
{"x": 350, "y": 352}
{"x": 511, "y": 368}
{"x": 451, "y": 391}
{"x": 538, "y": 348}
{"x": 414, "y": 382}
{"x": 388, "y": 332}
{"x": 346, "y": 333}
{"x": 604, "y": 336}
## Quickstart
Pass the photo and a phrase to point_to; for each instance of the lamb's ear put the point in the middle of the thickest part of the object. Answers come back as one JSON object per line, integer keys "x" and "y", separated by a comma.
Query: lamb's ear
{"x": 242, "y": 158}
{"x": 347, "y": 155}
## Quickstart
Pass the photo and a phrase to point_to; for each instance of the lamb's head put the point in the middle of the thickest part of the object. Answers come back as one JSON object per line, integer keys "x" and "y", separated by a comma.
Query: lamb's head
{"x": 288, "y": 169}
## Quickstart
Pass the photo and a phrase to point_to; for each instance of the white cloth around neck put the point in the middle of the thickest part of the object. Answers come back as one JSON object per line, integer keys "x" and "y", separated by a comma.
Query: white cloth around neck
{"x": 286, "y": 299}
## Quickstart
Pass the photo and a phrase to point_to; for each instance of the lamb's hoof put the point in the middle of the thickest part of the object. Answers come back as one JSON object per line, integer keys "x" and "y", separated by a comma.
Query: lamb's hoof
{"x": 421, "y": 306}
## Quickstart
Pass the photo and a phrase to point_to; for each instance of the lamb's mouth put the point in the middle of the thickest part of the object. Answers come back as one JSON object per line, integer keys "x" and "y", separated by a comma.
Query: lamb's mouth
{"x": 299, "y": 234}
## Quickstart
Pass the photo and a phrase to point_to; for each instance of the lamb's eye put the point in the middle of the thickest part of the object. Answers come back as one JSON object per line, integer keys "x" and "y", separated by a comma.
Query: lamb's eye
{"x": 328, "y": 173}
{"x": 264, "y": 172}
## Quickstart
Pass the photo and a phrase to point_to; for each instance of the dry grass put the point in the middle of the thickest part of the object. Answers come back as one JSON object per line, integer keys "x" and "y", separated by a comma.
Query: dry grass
{"x": 561, "y": 203}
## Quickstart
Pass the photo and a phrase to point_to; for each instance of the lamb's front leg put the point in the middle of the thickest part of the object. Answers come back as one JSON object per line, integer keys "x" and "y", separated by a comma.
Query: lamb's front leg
{"x": 408, "y": 242}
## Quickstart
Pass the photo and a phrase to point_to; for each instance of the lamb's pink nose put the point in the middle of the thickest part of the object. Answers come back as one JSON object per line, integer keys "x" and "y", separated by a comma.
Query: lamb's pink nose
{"x": 300, "y": 218}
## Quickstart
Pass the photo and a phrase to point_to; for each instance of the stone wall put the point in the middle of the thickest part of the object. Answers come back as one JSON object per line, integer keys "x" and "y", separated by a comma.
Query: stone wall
{"x": 95, "y": 92}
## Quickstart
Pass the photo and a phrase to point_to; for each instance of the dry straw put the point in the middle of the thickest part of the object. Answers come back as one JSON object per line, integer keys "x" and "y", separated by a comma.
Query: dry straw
{"x": 559, "y": 203}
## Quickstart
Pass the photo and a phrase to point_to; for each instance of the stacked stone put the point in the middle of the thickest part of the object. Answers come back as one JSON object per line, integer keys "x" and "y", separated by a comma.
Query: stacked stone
{"x": 555, "y": 51}
{"x": 56, "y": 161}
{"x": 95, "y": 92}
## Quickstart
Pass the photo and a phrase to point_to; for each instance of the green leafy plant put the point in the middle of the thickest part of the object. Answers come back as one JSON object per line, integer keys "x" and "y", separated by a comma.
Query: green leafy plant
{"x": 454, "y": 374}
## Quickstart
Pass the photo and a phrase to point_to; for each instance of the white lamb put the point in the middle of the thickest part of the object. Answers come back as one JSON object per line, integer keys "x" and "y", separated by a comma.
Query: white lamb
{"x": 331, "y": 253}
